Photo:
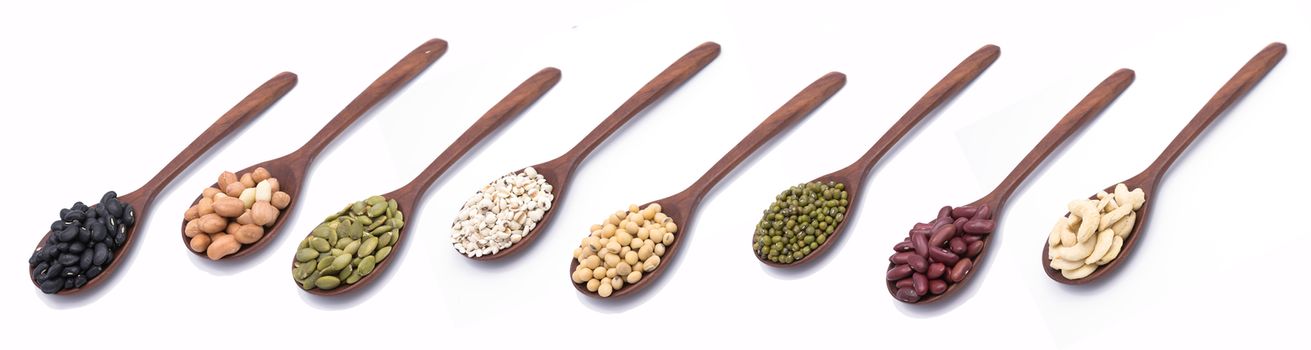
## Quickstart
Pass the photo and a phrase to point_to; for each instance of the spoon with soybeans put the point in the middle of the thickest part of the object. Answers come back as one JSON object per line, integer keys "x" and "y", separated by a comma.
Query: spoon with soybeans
{"x": 780, "y": 243}
{"x": 645, "y": 237}
{"x": 137, "y": 203}
{"x": 556, "y": 174}
{"x": 287, "y": 173}
{"x": 375, "y": 232}
{"x": 1135, "y": 195}
{"x": 940, "y": 256}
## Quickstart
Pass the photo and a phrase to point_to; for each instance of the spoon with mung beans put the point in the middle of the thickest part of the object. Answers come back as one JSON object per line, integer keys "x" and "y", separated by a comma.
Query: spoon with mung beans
{"x": 292, "y": 169}
{"x": 407, "y": 197}
{"x": 1149, "y": 179}
{"x": 979, "y": 218}
{"x": 681, "y": 207}
{"x": 558, "y": 172}
{"x": 139, "y": 201}
{"x": 852, "y": 178}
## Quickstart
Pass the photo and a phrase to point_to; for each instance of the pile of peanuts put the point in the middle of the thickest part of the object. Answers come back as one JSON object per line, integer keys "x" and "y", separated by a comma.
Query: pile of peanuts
{"x": 939, "y": 253}
{"x": 628, "y": 244}
{"x": 234, "y": 213}
{"x": 1072, "y": 246}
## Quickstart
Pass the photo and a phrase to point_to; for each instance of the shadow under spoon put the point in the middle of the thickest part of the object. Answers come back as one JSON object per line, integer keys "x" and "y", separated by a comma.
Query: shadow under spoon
{"x": 1148, "y": 180}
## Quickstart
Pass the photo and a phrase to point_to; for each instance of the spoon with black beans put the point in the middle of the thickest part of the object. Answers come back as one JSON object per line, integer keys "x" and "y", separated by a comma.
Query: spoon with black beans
{"x": 87, "y": 244}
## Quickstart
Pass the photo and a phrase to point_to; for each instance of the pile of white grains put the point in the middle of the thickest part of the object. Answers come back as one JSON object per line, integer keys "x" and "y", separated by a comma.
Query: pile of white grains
{"x": 501, "y": 213}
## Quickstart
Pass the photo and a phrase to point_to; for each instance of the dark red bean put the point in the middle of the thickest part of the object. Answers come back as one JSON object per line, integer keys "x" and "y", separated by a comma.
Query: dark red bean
{"x": 922, "y": 225}
{"x": 960, "y": 270}
{"x": 944, "y": 233}
{"x": 937, "y": 286}
{"x": 920, "y": 283}
{"x": 964, "y": 212}
{"x": 904, "y": 283}
{"x": 945, "y": 212}
{"x": 919, "y": 231}
{"x": 979, "y": 227}
{"x": 936, "y": 270}
{"x": 960, "y": 224}
{"x": 974, "y": 249}
{"x": 903, "y": 247}
{"x": 918, "y": 263}
{"x": 900, "y": 258}
{"x": 920, "y": 243}
{"x": 958, "y": 246}
{"x": 942, "y": 255}
{"x": 970, "y": 239}
{"x": 985, "y": 213}
{"x": 907, "y": 295}
{"x": 937, "y": 223}
{"x": 898, "y": 272}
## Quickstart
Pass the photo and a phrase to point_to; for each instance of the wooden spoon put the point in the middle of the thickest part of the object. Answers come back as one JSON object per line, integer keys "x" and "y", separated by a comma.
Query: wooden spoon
{"x": 854, "y": 176}
{"x": 559, "y": 171}
{"x": 1150, "y": 178}
{"x": 245, "y": 111}
{"x": 407, "y": 196}
{"x": 1087, "y": 109}
{"x": 681, "y": 206}
{"x": 290, "y": 170}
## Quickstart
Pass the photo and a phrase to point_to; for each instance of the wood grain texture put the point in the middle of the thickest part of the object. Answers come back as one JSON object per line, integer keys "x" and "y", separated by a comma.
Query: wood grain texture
{"x": 682, "y": 206}
{"x": 1149, "y": 179}
{"x": 407, "y": 197}
{"x": 238, "y": 116}
{"x": 1089, "y": 108}
{"x": 855, "y": 175}
{"x": 559, "y": 171}
{"x": 290, "y": 170}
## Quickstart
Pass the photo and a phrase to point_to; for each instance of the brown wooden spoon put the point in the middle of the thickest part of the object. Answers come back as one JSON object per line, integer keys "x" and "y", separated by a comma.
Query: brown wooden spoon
{"x": 291, "y": 169}
{"x": 559, "y": 171}
{"x": 682, "y": 206}
{"x": 854, "y": 176}
{"x": 1090, "y": 107}
{"x": 407, "y": 196}
{"x": 243, "y": 113}
{"x": 1150, "y": 178}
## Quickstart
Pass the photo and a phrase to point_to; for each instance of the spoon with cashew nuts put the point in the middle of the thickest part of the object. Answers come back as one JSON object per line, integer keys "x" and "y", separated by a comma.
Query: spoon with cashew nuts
{"x": 677, "y": 210}
{"x": 931, "y": 264}
{"x": 1137, "y": 204}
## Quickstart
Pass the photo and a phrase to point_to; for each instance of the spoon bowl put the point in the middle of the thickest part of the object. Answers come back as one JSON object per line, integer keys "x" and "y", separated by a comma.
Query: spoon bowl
{"x": 853, "y": 176}
{"x": 291, "y": 169}
{"x": 1243, "y": 81}
{"x": 407, "y": 197}
{"x": 558, "y": 172}
{"x": 141, "y": 200}
{"x": 1087, "y": 109}
{"x": 681, "y": 207}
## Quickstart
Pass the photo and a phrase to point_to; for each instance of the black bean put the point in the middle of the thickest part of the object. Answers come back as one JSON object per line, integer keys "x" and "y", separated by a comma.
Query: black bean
{"x": 87, "y": 256}
{"x": 74, "y": 215}
{"x": 109, "y": 195}
{"x": 98, "y": 233}
{"x": 72, "y": 271}
{"x": 57, "y": 226}
{"x": 129, "y": 215}
{"x": 84, "y": 234}
{"x": 79, "y": 206}
{"x": 92, "y": 213}
{"x": 33, "y": 260}
{"x": 39, "y": 270}
{"x": 67, "y": 259}
{"x": 76, "y": 247}
{"x": 101, "y": 255}
{"x": 111, "y": 225}
{"x": 93, "y": 271}
{"x": 68, "y": 234}
{"x": 68, "y": 283}
{"x": 52, "y": 286}
{"x": 113, "y": 207}
{"x": 54, "y": 270}
{"x": 79, "y": 281}
{"x": 59, "y": 248}
{"x": 121, "y": 236}
{"x": 63, "y": 213}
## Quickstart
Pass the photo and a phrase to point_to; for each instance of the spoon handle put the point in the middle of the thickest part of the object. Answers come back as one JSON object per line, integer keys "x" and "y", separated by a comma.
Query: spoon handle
{"x": 512, "y": 105}
{"x": 671, "y": 78}
{"x": 947, "y": 88}
{"x": 1235, "y": 89}
{"x": 400, "y": 74}
{"x": 1087, "y": 109}
{"x": 785, "y": 117}
{"x": 245, "y": 111}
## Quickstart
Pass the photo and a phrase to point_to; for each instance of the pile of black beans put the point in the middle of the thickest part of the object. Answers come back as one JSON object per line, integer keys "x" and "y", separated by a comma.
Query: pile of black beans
{"x": 82, "y": 243}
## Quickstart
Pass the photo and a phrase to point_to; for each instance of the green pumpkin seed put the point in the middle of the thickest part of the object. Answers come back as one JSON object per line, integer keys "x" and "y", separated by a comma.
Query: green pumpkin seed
{"x": 352, "y": 248}
{"x": 364, "y": 220}
{"x": 304, "y": 243}
{"x": 385, "y": 239}
{"x": 337, "y": 251}
{"x": 340, "y": 262}
{"x": 356, "y": 229}
{"x": 366, "y": 265}
{"x": 357, "y": 208}
{"x": 327, "y": 282}
{"x": 355, "y": 277}
{"x": 375, "y": 225}
{"x": 356, "y": 262}
{"x": 332, "y": 237}
{"x": 319, "y": 244}
{"x": 395, "y": 236}
{"x": 306, "y": 254}
{"x": 324, "y": 262}
{"x": 375, "y": 200}
{"x": 308, "y": 283}
{"x": 321, "y": 231}
{"x": 392, "y": 205}
{"x": 400, "y": 219}
{"x": 383, "y": 253}
{"x": 368, "y": 247}
{"x": 380, "y": 229}
{"x": 377, "y": 210}
{"x": 346, "y": 272}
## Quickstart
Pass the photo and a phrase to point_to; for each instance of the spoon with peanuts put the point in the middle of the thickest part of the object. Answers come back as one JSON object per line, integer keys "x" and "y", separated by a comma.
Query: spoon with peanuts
{"x": 645, "y": 237}
{"x": 382, "y": 234}
{"x": 769, "y": 242}
{"x": 940, "y": 256}
{"x": 226, "y": 221}
{"x": 509, "y": 237}
{"x": 1127, "y": 204}
{"x": 136, "y": 205}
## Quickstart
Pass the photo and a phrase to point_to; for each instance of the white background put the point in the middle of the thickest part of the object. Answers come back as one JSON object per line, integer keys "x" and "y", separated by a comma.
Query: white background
{"x": 98, "y": 96}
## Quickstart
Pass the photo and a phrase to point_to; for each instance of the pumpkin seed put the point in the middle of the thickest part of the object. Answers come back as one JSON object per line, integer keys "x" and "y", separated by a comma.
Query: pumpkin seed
{"x": 306, "y": 254}
{"x": 327, "y": 282}
{"x": 366, "y": 265}
{"x": 383, "y": 253}
{"x": 368, "y": 247}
